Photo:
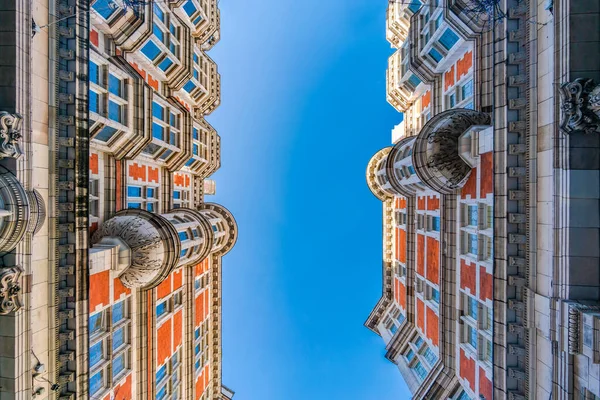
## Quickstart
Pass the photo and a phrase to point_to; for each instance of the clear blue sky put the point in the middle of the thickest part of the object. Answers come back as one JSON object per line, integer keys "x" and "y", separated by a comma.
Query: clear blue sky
{"x": 303, "y": 109}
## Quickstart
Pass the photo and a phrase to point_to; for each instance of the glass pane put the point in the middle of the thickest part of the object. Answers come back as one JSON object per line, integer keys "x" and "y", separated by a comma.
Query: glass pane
{"x": 158, "y": 111}
{"x": 436, "y": 223}
{"x": 106, "y": 8}
{"x": 150, "y": 207}
{"x": 96, "y": 323}
{"x": 118, "y": 338}
{"x": 118, "y": 365}
{"x": 118, "y": 312}
{"x": 414, "y": 80}
{"x": 93, "y": 73}
{"x": 134, "y": 205}
{"x": 195, "y": 134}
{"x": 161, "y": 374}
{"x": 183, "y": 236}
{"x": 189, "y": 8}
{"x": 151, "y": 50}
{"x": 158, "y": 131}
{"x": 115, "y": 112}
{"x": 189, "y": 87}
{"x": 105, "y": 134}
{"x": 197, "y": 333}
{"x": 410, "y": 355}
{"x": 448, "y": 39}
{"x": 96, "y": 353}
{"x": 165, "y": 64}
{"x": 114, "y": 85}
{"x": 173, "y": 138}
{"x": 472, "y": 215}
{"x": 161, "y": 309}
{"x": 473, "y": 308}
{"x": 166, "y": 154}
{"x": 152, "y": 149}
{"x": 94, "y": 102}
{"x": 473, "y": 244}
{"x": 414, "y": 5}
{"x": 176, "y": 194}
{"x": 467, "y": 90}
{"x": 159, "y": 13}
{"x": 435, "y": 55}
{"x": 162, "y": 393}
{"x": 195, "y": 149}
{"x": 151, "y": 192}
{"x": 97, "y": 382}
{"x": 134, "y": 191}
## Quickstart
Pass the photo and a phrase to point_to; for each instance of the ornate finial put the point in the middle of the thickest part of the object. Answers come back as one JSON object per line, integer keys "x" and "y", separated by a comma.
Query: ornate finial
{"x": 10, "y": 133}
{"x": 580, "y": 106}
{"x": 10, "y": 290}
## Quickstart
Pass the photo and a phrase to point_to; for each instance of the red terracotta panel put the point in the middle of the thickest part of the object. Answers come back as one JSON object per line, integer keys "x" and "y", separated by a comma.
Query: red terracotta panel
{"x": 433, "y": 260}
{"x": 401, "y": 235}
{"x": 137, "y": 172}
{"x": 177, "y": 278}
{"x": 177, "y": 328}
{"x": 178, "y": 179}
{"x": 152, "y": 82}
{"x": 94, "y": 163}
{"x": 164, "y": 350}
{"x": 402, "y": 294}
{"x": 164, "y": 289}
{"x": 487, "y": 174}
{"x": 449, "y": 78}
{"x": 426, "y": 99}
{"x": 467, "y": 369}
{"x": 152, "y": 174}
{"x": 402, "y": 203}
{"x": 464, "y": 64}
{"x": 421, "y": 315}
{"x": 468, "y": 276}
{"x": 485, "y": 386}
{"x": 94, "y": 37}
{"x": 421, "y": 255}
{"x": 433, "y": 203}
{"x": 421, "y": 203}
{"x": 99, "y": 290}
{"x": 199, "y": 309}
{"x": 485, "y": 284}
{"x": 433, "y": 327}
{"x": 119, "y": 289}
{"x": 123, "y": 391}
{"x": 470, "y": 187}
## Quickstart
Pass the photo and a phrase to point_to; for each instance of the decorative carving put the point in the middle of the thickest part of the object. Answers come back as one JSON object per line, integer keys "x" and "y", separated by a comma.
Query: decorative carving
{"x": 574, "y": 325}
{"x": 10, "y": 133}
{"x": 10, "y": 290}
{"x": 580, "y": 106}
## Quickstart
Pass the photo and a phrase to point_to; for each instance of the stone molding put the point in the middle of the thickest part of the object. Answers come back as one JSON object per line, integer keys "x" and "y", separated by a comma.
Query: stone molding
{"x": 436, "y": 157}
{"x": 231, "y": 226}
{"x": 580, "y": 106}
{"x": 10, "y": 290}
{"x": 10, "y": 134}
{"x": 574, "y": 325}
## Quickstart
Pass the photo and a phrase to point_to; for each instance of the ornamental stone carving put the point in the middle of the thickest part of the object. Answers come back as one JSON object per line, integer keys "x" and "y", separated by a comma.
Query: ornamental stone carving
{"x": 436, "y": 155}
{"x": 225, "y": 229}
{"x": 580, "y": 106}
{"x": 10, "y": 134}
{"x": 152, "y": 241}
{"x": 10, "y": 290}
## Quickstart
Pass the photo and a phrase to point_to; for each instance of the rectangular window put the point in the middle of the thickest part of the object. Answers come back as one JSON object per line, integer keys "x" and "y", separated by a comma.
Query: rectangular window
{"x": 420, "y": 370}
{"x": 118, "y": 365}
{"x": 93, "y": 73}
{"x": 435, "y": 295}
{"x": 472, "y": 307}
{"x": 467, "y": 90}
{"x": 96, "y": 353}
{"x": 96, "y": 323}
{"x": 97, "y": 382}
{"x": 436, "y": 223}
{"x": 118, "y": 338}
{"x": 94, "y": 102}
{"x": 414, "y": 6}
{"x": 118, "y": 312}
{"x": 106, "y": 8}
{"x": 451, "y": 100}
{"x": 161, "y": 374}
{"x": 161, "y": 309}
{"x": 414, "y": 81}
{"x": 437, "y": 23}
{"x": 472, "y": 242}
{"x": 159, "y": 13}
{"x": 158, "y": 132}
{"x": 183, "y": 236}
{"x": 472, "y": 214}
{"x": 105, "y": 134}
{"x": 430, "y": 356}
{"x": 448, "y": 39}
{"x": 433, "y": 53}
{"x": 410, "y": 355}
{"x": 134, "y": 205}
{"x": 151, "y": 50}
{"x": 472, "y": 336}
{"x": 134, "y": 191}
{"x": 115, "y": 112}
{"x": 176, "y": 194}
{"x": 114, "y": 85}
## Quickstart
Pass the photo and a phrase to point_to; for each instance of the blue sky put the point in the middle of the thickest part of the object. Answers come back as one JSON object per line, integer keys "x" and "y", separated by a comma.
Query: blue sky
{"x": 303, "y": 109}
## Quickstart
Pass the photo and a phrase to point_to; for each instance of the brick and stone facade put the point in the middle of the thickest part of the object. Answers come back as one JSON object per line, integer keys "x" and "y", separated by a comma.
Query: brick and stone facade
{"x": 490, "y": 200}
{"x": 110, "y": 258}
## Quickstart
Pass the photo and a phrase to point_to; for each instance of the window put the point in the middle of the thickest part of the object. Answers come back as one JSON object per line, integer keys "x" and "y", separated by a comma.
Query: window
{"x": 118, "y": 312}
{"x": 448, "y": 39}
{"x": 588, "y": 330}
{"x": 467, "y": 90}
{"x": 410, "y": 355}
{"x": 118, "y": 365}
{"x": 94, "y": 191}
{"x": 472, "y": 214}
{"x": 166, "y": 128}
{"x": 97, "y": 323}
{"x": 472, "y": 307}
{"x": 118, "y": 338}
{"x": 96, "y": 353}
{"x": 451, "y": 100}
{"x": 414, "y": 81}
{"x": 463, "y": 396}
{"x": 436, "y": 224}
{"x": 105, "y": 134}
{"x": 105, "y": 8}
{"x": 162, "y": 309}
{"x": 472, "y": 336}
{"x": 414, "y": 6}
{"x": 144, "y": 197}
{"x": 485, "y": 353}
{"x": 433, "y": 53}
{"x": 430, "y": 357}
{"x": 420, "y": 371}
{"x": 96, "y": 382}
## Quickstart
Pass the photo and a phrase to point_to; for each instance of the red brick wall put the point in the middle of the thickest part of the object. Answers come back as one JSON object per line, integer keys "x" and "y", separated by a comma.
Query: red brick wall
{"x": 485, "y": 386}
{"x": 470, "y": 187}
{"x": 468, "y": 276}
{"x": 433, "y": 260}
{"x": 177, "y": 328}
{"x": 137, "y": 172}
{"x": 421, "y": 203}
{"x": 449, "y": 78}
{"x": 487, "y": 174}
{"x": 123, "y": 391}
{"x": 94, "y": 163}
{"x": 433, "y": 327}
{"x": 421, "y": 315}
{"x": 401, "y": 240}
{"x": 485, "y": 284}
{"x": 99, "y": 290}
{"x": 164, "y": 289}
{"x": 421, "y": 255}
{"x": 464, "y": 64}
{"x": 467, "y": 369}
{"x": 426, "y": 99}
{"x": 119, "y": 289}
{"x": 433, "y": 203}
{"x": 94, "y": 37}
{"x": 164, "y": 343}
{"x": 152, "y": 174}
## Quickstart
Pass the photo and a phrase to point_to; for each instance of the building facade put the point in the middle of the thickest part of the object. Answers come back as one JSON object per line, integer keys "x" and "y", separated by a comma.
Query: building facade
{"x": 111, "y": 262}
{"x": 490, "y": 193}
